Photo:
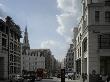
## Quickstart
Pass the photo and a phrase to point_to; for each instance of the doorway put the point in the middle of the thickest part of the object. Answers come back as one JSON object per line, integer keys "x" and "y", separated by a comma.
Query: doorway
{"x": 105, "y": 64}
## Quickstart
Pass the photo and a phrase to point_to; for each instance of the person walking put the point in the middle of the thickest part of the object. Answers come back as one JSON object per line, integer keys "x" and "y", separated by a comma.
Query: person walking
{"x": 108, "y": 78}
{"x": 93, "y": 77}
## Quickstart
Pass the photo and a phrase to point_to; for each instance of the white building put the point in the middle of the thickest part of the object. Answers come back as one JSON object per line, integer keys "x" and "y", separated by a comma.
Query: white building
{"x": 93, "y": 38}
{"x": 32, "y": 59}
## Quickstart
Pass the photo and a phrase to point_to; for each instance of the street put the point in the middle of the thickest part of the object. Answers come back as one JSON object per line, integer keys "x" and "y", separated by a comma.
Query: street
{"x": 56, "y": 80}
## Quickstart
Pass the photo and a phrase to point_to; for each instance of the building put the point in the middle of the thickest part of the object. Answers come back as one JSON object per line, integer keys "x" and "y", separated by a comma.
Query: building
{"x": 32, "y": 59}
{"x": 10, "y": 48}
{"x": 53, "y": 65}
{"x": 70, "y": 59}
{"x": 93, "y": 38}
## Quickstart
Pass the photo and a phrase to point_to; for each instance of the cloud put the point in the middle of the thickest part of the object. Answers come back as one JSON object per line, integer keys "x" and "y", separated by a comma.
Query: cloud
{"x": 66, "y": 5}
{"x": 58, "y": 49}
{"x": 68, "y": 18}
{"x": 2, "y": 11}
{"x": 48, "y": 44}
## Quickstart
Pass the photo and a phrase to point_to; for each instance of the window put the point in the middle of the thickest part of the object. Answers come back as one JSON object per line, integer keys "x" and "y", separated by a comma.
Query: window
{"x": 80, "y": 36}
{"x": 11, "y": 57}
{"x": 97, "y": 16}
{"x": 84, "y": 45}
{"x": 11, "y": 46}
{"x": 11, "y": 69}
{"x": 104, "y": 41}
{"x": 15, "y": 69}
{"x": 107, "y": 2}
{"x": 35, "y": 63}
{"x": 80, "y": 51}
{"x": 78, "y": 39}
{"x": 69, "y": 58}
{"x": 4, "y": 42}
{"x": 15, "y": 47}
{"x": 107, "y": 16}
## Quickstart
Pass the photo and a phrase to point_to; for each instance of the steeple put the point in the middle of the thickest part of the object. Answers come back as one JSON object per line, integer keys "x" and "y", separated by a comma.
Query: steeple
{"x": 25, "y": 40}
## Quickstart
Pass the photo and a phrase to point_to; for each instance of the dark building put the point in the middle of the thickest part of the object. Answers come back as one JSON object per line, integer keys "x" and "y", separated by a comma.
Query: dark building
{"x": 10, "y": 48}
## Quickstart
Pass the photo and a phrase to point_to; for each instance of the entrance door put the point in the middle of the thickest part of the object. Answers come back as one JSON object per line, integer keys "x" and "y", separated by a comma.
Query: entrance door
{"x": 105, "y": 65}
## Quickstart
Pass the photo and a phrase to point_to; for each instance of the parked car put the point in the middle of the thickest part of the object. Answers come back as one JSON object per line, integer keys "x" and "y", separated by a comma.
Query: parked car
{"x": 66, "y": 75}
{"x": 28, "y": 78}
{"x": 59, "y": 76}
{"x": 70, "y": 76}
{"x": 18, "y": 78}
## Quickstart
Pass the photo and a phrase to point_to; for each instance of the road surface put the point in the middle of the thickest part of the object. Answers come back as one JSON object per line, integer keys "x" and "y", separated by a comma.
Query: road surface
{"x": 55, "y": 79}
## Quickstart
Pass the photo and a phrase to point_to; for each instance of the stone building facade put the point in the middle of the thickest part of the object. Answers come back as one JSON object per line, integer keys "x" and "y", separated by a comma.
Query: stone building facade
{"x": 70, "y": 59}
{"x": 93, "y": 38}
{"x": 33, "y": 59}
{"x": 10, "y": 48}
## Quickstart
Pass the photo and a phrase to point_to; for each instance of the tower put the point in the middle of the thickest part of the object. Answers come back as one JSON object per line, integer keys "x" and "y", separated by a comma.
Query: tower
{"x": 26, "y": 44}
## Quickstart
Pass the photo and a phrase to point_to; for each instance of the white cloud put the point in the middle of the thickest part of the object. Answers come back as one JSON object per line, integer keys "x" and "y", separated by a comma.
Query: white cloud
{"x": 58, "y": 49}
{"x": 66, "y": 5}
{"x": 68, "y": 18}
{"x": 48, "y": 44}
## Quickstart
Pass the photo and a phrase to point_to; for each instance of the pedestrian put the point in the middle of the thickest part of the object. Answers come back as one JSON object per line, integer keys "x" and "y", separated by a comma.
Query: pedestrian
{"x": 99, "y": 77}
{"x": 108, "y": 78}
{"x": 93, "y": 77}
{"x": 33, "y": 78}
{"x": 84, "y": 76}
{"x": 104, "y": 77}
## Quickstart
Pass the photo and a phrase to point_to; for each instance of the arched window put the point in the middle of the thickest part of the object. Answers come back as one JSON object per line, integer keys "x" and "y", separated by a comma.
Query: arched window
{"x": 84, "y": 44}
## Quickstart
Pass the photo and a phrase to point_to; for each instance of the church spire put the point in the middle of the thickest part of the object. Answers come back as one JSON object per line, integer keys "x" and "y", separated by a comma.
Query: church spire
{"x": 26, "y": 28}
{"x": 26, "y": 41}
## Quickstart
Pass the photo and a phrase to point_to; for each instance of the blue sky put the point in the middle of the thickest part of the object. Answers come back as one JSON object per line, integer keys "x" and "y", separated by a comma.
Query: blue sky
{"x": 49, "y": 22}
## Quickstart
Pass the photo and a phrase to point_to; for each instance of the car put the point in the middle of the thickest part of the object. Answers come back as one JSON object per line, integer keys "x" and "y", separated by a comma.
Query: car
{"x": 58, "y": 75}
{"x": 18, "y": 78}
{"x": 28, "y": 78}
{"x": 38, "y": 79}
{"x": 66, "y": 75}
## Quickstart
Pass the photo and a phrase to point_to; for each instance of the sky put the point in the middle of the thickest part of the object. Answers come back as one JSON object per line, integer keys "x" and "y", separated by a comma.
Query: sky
{"x": 50, "y": 23}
